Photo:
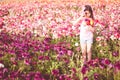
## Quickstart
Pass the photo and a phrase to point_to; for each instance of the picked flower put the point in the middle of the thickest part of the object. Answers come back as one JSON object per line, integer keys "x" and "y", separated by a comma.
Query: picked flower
{"x": 89, "y": 22}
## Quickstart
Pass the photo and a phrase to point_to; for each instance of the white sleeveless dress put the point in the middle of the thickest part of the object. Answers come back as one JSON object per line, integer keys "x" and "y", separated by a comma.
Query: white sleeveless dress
{"x": 85, "y": 34}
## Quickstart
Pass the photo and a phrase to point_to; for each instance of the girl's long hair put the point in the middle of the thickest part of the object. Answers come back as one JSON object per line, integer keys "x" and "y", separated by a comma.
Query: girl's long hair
{"x": 88, "y": 8}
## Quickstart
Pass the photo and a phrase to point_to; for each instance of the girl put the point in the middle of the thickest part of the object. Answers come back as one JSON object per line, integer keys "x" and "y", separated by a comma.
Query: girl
{"x": 86, "y": 32}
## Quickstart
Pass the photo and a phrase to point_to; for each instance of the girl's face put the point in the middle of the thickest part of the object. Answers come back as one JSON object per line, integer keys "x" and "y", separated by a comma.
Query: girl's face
{"x": 87, "y": 14}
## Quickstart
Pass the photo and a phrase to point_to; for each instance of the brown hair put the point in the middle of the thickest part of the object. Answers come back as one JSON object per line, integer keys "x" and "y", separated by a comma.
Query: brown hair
{"x": 88, "y": 8}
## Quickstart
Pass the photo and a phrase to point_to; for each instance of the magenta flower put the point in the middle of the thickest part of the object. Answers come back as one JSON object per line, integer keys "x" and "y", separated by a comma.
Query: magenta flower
{"x": 115, "y": 54}
{"x": 55, "y": 72}
{"x": 1, "y": 55}
{"x": 102, "y": 63}
{"x": 29, "y": 75}
{"x": 96, "y": 76}
{"x": 85, "y": 78}
{"x": 102, "y": 66}
{"x": 27, "y": 61}
{"x": 15, "y": 62}
{"x": 61, "y": 77}
{"x": 38, "y": 76}
{"x": 117, "y": 65}
{"x": 3, "y": 73}
{"x": 47, "y": 57}
{"x": 84, "y": 69}
{"x": 93, "y": 63}
{"x": 41, "y": 57}
{"x": 47, "y": 40}
{"x": 66, "y": 60}
{"x": 105, "y": 61}
{"x": 14, "y": 74}
{"x": 61, "y": 52}
{"x": 74, "y": 70}
{"x": 25, "y": 55}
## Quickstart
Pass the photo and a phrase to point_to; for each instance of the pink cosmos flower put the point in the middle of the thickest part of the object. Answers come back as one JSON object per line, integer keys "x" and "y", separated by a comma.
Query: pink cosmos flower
{"x": 69, "y": 52}
{"x": 99, "y": 38}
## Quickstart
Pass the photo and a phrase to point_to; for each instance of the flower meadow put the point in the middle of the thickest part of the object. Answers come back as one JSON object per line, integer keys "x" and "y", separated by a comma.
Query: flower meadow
{"x": 38, "y": 42}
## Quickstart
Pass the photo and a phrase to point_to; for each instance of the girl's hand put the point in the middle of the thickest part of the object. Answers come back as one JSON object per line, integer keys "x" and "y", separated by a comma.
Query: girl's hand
{"x": 89, "y": 21}
{"x": 76, "y": 22}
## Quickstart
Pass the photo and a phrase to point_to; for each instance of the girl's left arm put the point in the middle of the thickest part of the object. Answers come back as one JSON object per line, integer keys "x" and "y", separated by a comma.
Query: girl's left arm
{"x": 91, "y": 28}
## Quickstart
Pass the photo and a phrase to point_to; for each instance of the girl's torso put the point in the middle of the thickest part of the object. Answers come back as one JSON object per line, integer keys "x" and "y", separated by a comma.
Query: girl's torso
{"x": 84, "y": 30}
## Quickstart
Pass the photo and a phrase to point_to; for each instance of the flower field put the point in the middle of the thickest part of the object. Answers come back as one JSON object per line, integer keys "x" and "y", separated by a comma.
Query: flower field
{"x": 38, "y": 41}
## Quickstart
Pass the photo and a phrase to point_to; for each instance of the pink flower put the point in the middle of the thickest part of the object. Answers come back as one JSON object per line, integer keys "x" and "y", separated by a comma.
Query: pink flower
{"x": 99, "y": 38}
{"x": 27, "y": 61}
{"x": 85, "y": 78}
{"x": 117, "y": 35}
{"x": 1, "y": 23}
{"x": 115, "y": 54}
{"x": 74, "y": 70}
{"x": 117, "y": 65}
{"x": 69, "y": 52}
{"x": 78, "y": 48}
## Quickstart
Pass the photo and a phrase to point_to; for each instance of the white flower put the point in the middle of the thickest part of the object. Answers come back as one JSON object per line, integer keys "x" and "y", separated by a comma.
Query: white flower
{"x": 112, "y": 37}
{"x": 76, "y": 44}
{"x": 1, "y": 65}
{"x": 73, "y": 27}
{"x": 35, "y": 31}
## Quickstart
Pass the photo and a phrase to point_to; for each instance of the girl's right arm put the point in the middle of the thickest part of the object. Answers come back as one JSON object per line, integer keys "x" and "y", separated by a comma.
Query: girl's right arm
{"x": 77, "y": 21}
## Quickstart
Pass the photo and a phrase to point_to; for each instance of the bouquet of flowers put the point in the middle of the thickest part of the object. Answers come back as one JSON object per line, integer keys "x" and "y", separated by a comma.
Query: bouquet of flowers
{"x": 89, "y": 21}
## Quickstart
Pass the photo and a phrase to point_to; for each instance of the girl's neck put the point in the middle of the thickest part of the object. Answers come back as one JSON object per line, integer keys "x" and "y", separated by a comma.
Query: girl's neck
{"x": 87, "y": 17}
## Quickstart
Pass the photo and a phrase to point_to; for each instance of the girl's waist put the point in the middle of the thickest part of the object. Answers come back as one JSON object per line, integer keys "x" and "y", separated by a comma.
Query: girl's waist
{"x": 86, "y": 34}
